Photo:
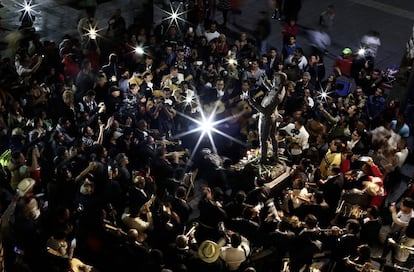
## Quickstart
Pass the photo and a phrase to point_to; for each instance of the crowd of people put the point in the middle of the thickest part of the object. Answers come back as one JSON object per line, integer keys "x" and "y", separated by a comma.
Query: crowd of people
{"x": 102, "y": 159}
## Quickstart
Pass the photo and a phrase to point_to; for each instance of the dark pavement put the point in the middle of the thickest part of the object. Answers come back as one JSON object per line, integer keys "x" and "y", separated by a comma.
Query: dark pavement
{"x": 392, "y": 19}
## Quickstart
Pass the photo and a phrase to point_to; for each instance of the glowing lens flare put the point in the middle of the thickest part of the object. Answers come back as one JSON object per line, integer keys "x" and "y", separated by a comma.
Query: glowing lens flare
{"x": 139, "y": 50}
{"x": 189, "y": 99}
{"x": 92, "y": 32}
{"x": 232, "y": 61}
{"x": 175, "y": 16}
{"x": 323, "y": 95}
{"x": 207, "y": 126}
{"x": 28, "y": 8}
{"x": 361, "y": 52}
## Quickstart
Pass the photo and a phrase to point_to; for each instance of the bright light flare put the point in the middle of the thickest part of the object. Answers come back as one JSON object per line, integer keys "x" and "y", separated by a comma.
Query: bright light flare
{"x": 139, "y": 50}
{"x": 232, "y": 61}
{"x": 361, "y": 52}
{"x": 207, "y": 126}
{"x": 188, "y": 99}
{"x": 92, "y": 32}
{"x": 28, "y": 8}
{"x": 323, "y": 95}
{"x": 175, "y": 16}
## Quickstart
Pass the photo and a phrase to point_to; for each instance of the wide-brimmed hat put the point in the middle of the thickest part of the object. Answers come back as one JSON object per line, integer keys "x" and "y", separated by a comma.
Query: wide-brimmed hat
{"x": 208, "y": 251}
{"x": 157, "y": 93}
{"x": 25, "y": 186}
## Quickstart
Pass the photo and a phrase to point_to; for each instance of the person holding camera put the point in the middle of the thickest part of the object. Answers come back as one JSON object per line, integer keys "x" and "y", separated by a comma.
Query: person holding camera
{"x": 162, "y": 114}
{"x": 297, "y": 134}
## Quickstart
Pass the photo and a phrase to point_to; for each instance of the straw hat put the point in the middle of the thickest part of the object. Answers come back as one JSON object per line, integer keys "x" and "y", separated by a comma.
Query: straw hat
{"x": 25, "y": 186}
{"x": 208, "y": 251}
{"x": 157, "y": 93}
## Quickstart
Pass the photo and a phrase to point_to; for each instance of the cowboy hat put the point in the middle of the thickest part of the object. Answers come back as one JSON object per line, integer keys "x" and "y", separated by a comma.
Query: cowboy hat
{"x": 208, "y": 251}
{"x": 25, "y": 186}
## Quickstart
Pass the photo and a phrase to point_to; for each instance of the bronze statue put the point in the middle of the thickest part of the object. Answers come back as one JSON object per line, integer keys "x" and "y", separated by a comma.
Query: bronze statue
{"x": 267, "y": 109}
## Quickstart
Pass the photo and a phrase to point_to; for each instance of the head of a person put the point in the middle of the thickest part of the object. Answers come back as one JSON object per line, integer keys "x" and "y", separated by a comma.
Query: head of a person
{"x": 336, "y": 145}
{"x": 379, "y": 92}
{"x": 281, "y": 134}
{"x": 356, "y": 135}
{"x": 68, "y": 97}
{"x": 235, "y": 240}
{"x": 254, "y": 64}
{"x": 292, "y": 40}
{"x": 18, "y": 157}
{"x": 352, "y": 226}
{"x": 220, "y": 84}
{"x": 364, "y": 251}
{"x": 213, "y": 26}
{"x": 407, "y": 205}
{"x": 311, "y": 221}
{"x": 273, "y": 52}
{"x": 298, "y": 52}
{"x": 139, "y": 181}
{"x": 373, "y": 211}
{"x": 299, "y": 122}
{"x": 306, "y": 76}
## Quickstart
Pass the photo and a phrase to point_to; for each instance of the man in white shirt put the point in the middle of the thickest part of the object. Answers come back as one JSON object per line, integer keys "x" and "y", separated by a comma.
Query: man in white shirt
{"x": 236, "y": 252}
{"x": 298, "y": 132}
{"x": 400, "y": 221}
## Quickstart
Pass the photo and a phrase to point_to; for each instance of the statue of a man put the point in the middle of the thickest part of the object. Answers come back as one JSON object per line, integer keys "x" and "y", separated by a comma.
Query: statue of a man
{"x": 267, "y": 117}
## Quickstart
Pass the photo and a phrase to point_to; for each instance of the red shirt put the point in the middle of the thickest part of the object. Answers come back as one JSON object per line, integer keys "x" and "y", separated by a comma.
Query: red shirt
{"x": 344, "y": 65}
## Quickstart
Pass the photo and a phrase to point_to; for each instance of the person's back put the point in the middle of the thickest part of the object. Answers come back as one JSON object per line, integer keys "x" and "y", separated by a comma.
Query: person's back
{"x": 235, "y": 253}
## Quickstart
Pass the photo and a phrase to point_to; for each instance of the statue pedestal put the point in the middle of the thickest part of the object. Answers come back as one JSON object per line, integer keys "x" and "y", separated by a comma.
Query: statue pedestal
{"x": 273, "y": 172}
{"x": 282, "y": 176}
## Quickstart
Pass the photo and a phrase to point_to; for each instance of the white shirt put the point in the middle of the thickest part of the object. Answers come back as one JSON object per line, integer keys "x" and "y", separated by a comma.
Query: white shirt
{"x": 211, "y": 35}
{"x": 302, "y": 138}
{"x": 234, "y": 257}
{"x": 137, "y": 222}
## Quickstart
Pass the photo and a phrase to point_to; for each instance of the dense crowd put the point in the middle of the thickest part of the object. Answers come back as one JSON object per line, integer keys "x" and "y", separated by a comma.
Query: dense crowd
{"x": 102, "y": 154}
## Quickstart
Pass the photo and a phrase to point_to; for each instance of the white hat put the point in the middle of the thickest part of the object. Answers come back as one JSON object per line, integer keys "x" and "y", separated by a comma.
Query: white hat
{"x": 25, "y": 186}
{"x": 208, "y": 251}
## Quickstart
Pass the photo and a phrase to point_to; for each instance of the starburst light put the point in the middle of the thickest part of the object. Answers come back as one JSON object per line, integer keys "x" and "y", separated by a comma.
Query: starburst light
{"x": 175, "y": 16}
